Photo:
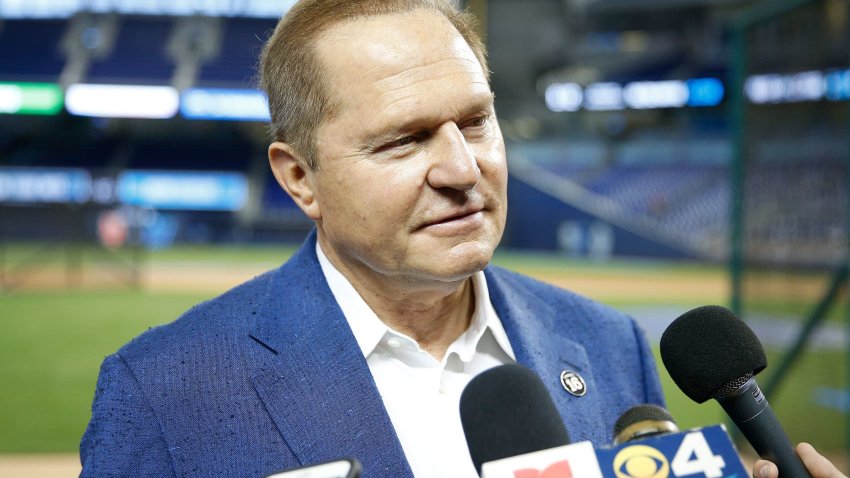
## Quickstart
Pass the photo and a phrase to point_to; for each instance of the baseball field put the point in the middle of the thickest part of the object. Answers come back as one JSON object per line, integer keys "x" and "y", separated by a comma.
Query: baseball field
{"x": 61, "y": 318}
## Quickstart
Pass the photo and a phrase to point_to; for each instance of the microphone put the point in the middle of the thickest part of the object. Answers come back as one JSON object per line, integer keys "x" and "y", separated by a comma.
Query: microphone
{"x": 711, "y": 353}
{"x": 506, "y": 411}
{"x": 643, "y": 421}
{"x": 341, "y": 468}
{"x": 513, "y": 430}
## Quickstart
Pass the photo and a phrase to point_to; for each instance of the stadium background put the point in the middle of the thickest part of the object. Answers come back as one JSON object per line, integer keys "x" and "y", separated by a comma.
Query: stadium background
{"x": 664, "y": 154}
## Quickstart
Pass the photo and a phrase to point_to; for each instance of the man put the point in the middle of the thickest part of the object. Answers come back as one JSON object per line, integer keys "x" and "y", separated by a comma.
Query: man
{"x": 362, "y": 342}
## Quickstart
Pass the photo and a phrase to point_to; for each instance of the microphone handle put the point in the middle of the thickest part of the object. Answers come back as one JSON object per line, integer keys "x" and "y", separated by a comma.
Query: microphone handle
{"x": 749, "y": 410}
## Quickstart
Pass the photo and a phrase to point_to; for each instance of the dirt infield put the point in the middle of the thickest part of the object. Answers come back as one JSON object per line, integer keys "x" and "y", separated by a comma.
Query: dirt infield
{"x": 212, "y": 278}
{"x": 603, "y": 285}
{"x": 620, "y": 283}
{"x": 613, "y": 286}
{"x": 61, "y": 465}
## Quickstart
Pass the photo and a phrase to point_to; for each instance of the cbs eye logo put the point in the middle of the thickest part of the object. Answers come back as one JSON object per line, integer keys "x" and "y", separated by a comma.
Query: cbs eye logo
{"x": 640, "y": 461}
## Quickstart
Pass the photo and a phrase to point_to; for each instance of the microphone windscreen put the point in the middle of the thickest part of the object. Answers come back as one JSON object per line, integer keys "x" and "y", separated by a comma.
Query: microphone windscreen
{"x": 642, "y": 413}
{"x": 707, "y": 348}
{"x": 506, "y": 411}
{"x": 643, "y": 421}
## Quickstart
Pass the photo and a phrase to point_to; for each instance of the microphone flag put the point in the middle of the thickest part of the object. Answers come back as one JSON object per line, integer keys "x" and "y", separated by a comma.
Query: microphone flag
{"x": 706, "y": 452}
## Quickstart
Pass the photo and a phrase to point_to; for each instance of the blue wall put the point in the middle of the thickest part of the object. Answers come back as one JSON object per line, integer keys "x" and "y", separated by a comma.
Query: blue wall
{"x": 536, "y": 219}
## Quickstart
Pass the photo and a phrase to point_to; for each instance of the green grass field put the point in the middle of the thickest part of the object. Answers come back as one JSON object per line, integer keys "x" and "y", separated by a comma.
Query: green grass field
{"x": 50, "y": 353}
{"x": 54, "y": 340}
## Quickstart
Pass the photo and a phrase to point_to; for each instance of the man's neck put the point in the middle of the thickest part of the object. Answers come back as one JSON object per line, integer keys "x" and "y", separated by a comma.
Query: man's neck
{"x": 434, "y": 313}
{"x": 433, "y": 319}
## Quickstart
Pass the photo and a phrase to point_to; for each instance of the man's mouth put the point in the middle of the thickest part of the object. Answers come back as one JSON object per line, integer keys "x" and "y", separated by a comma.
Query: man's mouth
{"x": 456, "y": 222}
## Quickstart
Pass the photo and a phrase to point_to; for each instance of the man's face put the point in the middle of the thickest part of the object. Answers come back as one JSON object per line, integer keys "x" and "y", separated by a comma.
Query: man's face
{"x": 412, "y": 173}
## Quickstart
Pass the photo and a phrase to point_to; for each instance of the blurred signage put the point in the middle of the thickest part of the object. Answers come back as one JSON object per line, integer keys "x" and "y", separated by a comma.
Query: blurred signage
{"x": 838, "y": 85}
{"x": 207, "y": 191}
{"x": 793, "y": 88}
{"x": 832, "y": 85}
{"x": 705, "y": 91}
{"x": 30, "y": 98}
{"x": 44, "y": 185}
{"x": 224, "y": 104}
{"x": 164, "y": 102}
{"x": 174, "y": 190}
{"x": 122, "y": 101}
{"x": 610, "y": 96}
{"x": 216, "y": 8}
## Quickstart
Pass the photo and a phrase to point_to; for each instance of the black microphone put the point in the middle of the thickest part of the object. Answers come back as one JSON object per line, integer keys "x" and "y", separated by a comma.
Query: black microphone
{"x": 506, "y": 411}
{"x": 711, "y": 353}
{"x": 643, "y": 421}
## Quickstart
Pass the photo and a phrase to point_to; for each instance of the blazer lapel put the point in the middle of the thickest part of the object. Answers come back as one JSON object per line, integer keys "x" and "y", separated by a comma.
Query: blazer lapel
{"x": 538, "y": 335}
{"x": 312, "y": 376}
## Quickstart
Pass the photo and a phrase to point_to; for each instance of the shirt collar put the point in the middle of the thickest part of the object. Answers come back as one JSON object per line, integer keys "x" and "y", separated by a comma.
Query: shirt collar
{"x": 367, "y": 327}
{"x": 484, "y": 318}
{"x": 369, "y": 330}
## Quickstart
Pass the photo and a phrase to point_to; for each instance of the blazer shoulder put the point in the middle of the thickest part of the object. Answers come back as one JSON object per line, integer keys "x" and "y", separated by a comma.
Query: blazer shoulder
{"x": 556, "y": 298}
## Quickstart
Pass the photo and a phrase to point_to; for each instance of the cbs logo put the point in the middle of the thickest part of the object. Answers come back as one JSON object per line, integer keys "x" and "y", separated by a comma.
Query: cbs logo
{"x": 640, "y": 461}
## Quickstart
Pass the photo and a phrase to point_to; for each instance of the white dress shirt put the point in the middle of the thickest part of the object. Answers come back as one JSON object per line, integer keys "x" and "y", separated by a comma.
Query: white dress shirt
{"x": 421, "y": 394}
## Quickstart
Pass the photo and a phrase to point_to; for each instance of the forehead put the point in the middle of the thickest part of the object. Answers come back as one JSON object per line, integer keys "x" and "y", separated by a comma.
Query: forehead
{"x": 396, "y": 60}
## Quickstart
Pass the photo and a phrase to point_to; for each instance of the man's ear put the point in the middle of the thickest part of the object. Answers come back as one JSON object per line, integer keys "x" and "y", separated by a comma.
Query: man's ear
{"x": 295, "y": 177}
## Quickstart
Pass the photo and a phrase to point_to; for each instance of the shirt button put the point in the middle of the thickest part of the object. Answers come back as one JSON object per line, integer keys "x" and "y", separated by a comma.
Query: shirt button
{"x": 394, "y": 343}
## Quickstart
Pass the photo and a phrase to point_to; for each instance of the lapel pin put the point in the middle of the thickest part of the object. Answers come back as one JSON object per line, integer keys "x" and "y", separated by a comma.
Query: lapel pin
{"x": 573, "y": 383}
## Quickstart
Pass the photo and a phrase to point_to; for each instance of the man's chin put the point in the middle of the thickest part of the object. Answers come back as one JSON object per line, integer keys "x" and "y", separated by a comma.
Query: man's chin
{"x": 461, "y": 262}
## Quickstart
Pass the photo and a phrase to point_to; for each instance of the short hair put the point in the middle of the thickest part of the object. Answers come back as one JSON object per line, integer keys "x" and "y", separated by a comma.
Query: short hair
{"x": 291, "y": 73}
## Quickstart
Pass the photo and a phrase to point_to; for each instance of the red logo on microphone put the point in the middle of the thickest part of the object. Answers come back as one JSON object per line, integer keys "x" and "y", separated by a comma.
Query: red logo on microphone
{"x": 560, "y": 469}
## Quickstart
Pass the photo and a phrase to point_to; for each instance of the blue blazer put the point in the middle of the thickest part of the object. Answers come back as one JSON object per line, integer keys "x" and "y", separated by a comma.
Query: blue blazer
{"x": 268, "y": 376}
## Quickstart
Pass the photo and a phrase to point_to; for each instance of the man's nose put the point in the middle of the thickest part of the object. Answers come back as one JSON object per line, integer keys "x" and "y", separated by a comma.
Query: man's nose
{"x": 454, "y": 164}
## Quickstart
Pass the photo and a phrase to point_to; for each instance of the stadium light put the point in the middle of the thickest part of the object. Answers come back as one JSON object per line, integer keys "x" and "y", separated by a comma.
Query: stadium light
{"x": 603, "y": 97}
{"x": 655, "y": 94}
{"x": 564, "y": 97}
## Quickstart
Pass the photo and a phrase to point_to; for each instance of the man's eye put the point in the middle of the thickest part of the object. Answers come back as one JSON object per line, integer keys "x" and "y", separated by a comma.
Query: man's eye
{"x": 476, "y": 122}
{"x": 401, "y": 142}
{"x": 407, "y": 140}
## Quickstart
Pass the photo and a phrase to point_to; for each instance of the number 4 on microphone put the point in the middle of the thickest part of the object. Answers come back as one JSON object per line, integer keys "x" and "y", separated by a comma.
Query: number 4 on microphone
{"x": 695, "y": 456}
{"x": 701, "y": 453}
